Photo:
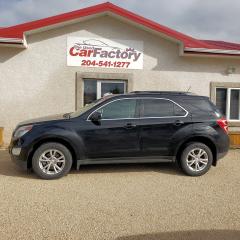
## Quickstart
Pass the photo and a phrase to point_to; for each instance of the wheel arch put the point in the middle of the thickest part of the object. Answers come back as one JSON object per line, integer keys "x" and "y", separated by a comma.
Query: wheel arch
{"x": 202, "y": 139}
{"x": 52, "y": 139}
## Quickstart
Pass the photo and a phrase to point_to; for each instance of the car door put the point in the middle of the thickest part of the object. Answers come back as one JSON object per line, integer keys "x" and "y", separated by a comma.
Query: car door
{"x": 117, "y": 133}
{"x": 162, "y": 123}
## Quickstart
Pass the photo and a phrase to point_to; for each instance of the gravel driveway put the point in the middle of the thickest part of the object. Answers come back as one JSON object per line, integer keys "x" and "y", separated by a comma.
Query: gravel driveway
{"x": 122, "y": 202}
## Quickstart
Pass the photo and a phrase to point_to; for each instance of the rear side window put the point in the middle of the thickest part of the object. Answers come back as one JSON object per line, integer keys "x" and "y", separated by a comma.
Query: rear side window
{"x": 161, "y": 108}
{"x": 199, "y": 106}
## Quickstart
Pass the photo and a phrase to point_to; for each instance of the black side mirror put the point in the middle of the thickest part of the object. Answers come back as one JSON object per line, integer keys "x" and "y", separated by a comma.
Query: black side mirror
{"x": 96, "y": 117}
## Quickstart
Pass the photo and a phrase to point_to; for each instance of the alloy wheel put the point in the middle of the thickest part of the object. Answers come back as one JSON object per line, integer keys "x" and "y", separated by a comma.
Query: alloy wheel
{"x": 197, "y": 159}
{"x": 52, "y": 161}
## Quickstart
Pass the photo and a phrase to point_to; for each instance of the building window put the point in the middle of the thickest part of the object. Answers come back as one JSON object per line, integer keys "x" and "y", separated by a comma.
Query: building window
{"x": 90, "y": 91}
{"x": 228, "y": 102}
{"x": 95, "y": 89}
{"x": 93, "y": 85}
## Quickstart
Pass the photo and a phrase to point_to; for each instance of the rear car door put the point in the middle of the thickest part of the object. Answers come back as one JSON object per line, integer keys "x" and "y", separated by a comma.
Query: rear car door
{"x": 162, "y": 123}
{"x": 117, "y": 134}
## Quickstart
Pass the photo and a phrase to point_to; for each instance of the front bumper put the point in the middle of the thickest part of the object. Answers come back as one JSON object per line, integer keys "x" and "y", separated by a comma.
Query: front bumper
{"x": 19, "y": 157}
{"x": 21, "y": 164}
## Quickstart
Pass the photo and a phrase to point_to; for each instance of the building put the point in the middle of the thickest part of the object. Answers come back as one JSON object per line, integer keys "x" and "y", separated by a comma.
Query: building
{"x": 57, "y": 64}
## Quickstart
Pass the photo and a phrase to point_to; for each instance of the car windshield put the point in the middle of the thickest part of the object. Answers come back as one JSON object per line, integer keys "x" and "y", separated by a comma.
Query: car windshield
{"x": 88, "y": 106}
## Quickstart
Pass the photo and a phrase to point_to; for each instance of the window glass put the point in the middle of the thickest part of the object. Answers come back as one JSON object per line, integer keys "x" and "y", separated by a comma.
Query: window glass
{"x": 234, "y": 104}
{"x": 221, "y": 100}
{"x": 88, "y": 106}
{"x": 95, "y": 89}
{"x": 178, "y": 111}
{"x": 161, "y": 108}
{"x": 90, "y": 91}
{"x": 125, "y": 108}
{"x": 199, "y": 106}
{"x": 114, "y": 88}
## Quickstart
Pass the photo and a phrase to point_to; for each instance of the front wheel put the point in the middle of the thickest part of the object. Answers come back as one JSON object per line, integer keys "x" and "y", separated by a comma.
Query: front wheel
{"x": 52, "y": 161}
{"x": 196, "y": 159}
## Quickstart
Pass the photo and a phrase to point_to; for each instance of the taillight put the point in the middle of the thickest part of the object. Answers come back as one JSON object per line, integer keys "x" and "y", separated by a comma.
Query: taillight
{"x": 223, "y": 124}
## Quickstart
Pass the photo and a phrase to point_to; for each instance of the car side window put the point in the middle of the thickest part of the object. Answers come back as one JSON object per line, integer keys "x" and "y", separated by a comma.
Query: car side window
{"x": 120, "y": 109}
{"x": 161, "y": 108}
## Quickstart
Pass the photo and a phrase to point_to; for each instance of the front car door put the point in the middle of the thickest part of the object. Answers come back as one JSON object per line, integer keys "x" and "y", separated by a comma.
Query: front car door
{"x": 162, "y": 122}
{"x": 117, "y": 133}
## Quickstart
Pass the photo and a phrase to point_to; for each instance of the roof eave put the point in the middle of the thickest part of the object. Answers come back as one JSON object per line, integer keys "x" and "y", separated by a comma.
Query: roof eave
{"x": 13, "y": 42}
{"x": 63, "y": 24}
{"x": 216, "y": 53}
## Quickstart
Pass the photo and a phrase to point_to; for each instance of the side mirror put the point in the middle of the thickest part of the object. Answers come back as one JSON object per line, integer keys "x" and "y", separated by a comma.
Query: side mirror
{"x": 96, "y": 117}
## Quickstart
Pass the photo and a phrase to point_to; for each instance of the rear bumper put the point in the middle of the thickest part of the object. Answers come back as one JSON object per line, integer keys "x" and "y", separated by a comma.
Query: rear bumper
{"x": 223, "y": 147}
{"x": 222, "y": 155}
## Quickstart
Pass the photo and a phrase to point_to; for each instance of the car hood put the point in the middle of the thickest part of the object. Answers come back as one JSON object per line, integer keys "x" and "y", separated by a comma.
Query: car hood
{"x": 43, "y": 119}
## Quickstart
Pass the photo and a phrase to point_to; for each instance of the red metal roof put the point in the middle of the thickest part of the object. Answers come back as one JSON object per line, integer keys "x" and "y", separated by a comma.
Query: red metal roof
{"x": 17, "y": 32}
{"x": 223, "y": 45}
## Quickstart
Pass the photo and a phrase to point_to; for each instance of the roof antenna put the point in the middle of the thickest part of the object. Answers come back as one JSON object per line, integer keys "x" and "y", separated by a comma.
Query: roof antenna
{"x": 189, "y": 88}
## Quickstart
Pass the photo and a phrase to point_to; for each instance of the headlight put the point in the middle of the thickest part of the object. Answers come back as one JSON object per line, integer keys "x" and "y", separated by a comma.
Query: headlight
{"x": 22, "y": 130}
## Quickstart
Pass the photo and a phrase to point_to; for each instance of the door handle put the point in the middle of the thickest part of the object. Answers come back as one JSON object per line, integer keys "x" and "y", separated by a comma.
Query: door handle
{"x": 130, "y": 126}
{"x": 178, "y": 123}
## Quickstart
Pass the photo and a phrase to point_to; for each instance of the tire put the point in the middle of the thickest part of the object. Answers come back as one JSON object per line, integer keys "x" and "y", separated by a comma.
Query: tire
{"x": 196, "y": 159}
{"x": 52, "y": 161}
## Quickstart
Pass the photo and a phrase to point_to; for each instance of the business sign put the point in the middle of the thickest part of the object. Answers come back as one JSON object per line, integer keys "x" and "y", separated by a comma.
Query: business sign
{"x": 104, "y": 53}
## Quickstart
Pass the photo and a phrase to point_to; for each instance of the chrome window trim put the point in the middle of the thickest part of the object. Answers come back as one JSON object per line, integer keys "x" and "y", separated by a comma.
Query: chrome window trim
{"x": 119, "y": 99}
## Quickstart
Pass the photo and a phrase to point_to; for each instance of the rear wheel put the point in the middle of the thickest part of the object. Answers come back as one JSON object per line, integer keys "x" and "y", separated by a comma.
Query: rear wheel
{"x": 196, "y": 159}
{"x": 52, "y": 161}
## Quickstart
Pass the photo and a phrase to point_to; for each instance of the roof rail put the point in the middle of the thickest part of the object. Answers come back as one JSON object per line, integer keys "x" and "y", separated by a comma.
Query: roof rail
{"x": 164, "y": 92}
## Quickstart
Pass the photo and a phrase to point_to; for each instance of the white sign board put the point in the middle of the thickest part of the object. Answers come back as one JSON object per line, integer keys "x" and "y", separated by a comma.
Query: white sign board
{"x": 104, "y": 53}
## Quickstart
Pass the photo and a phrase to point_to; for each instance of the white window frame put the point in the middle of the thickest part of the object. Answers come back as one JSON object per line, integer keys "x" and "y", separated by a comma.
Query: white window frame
{"x": 228, "y": 100}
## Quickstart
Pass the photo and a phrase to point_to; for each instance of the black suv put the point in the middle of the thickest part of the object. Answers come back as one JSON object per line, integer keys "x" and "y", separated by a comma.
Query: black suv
{"x": 139, "y": 127}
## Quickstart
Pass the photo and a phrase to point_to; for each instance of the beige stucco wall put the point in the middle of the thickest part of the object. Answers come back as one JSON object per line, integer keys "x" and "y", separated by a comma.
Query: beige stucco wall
{"x": 36, "y": 81}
